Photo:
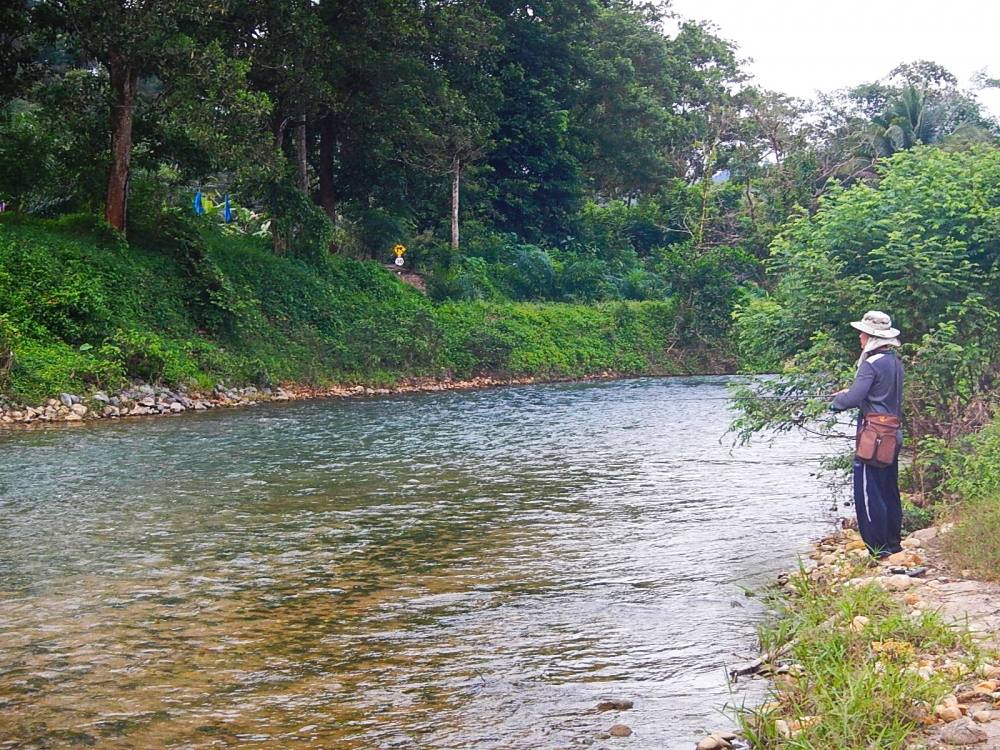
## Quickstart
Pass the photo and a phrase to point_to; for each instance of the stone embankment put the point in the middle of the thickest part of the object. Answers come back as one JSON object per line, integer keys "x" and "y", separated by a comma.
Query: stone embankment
{"x": 142, "y": 400}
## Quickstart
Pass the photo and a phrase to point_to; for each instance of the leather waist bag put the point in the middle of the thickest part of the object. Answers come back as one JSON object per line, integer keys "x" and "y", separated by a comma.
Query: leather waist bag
{"x": 877, "y": 440}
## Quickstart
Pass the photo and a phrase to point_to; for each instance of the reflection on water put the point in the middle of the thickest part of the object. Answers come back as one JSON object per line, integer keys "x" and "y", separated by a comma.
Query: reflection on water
{"x": 449, "y": 570}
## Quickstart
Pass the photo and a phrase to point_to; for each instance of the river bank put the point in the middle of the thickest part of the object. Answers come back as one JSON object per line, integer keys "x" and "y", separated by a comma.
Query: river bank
{"x": 144, "y": 400}
{"x": 903, "y": 654}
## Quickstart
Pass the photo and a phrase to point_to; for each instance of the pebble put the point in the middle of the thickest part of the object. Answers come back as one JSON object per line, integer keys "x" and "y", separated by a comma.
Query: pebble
{"x": 859, "y": 623}
{"x": 620, "y": 730}
{"x": 982, "y": 717}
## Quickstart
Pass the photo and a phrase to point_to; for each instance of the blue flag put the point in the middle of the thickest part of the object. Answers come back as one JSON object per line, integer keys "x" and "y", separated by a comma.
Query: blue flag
{"x": 227, "y": 211}
{"x": 198, "y": 207}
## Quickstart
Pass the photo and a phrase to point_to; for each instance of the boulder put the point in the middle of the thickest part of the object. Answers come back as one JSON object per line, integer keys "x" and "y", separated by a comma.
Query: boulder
{"x": 619, "y": 730}
{"x": 79, "y": 409}
{"x": 176, "y": 407}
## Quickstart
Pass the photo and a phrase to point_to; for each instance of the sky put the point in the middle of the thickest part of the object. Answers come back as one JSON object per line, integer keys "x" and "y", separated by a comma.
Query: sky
{"x": 801, "y": 46}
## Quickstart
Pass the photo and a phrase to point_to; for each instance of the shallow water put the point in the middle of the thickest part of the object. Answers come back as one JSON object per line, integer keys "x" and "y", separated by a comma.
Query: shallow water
{"x": 447, "y": 570}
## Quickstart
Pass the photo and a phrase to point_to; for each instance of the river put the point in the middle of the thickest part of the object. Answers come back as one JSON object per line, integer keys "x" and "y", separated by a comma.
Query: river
{"x": 444, "y": 570}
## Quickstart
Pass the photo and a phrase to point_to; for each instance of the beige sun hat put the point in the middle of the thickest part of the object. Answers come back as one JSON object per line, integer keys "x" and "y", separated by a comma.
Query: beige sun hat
{"x": 876, "y": 323}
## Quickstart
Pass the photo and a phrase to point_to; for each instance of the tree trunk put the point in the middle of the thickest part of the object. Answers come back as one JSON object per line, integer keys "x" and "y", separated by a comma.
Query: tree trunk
{"x": 124, "y": 81}
{"x": 300, "y": 155}
{"x": 327, "y": 149}
{"x": 456, "y": 172}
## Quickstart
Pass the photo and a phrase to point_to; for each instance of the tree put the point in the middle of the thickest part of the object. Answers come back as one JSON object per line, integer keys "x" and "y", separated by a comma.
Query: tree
{"x": 129, "y": 40}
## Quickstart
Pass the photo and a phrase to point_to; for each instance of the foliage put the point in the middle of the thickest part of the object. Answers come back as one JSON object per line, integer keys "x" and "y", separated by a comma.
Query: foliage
{"x": 853, "y": 688}
{"x": 184, "y": 302}
{"x": 920, "y": 245}
{"x": 970, "y": 476}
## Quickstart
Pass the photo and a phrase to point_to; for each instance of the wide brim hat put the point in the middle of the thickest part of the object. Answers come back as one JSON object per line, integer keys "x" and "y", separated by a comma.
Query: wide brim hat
{"x": 876, "y": 323}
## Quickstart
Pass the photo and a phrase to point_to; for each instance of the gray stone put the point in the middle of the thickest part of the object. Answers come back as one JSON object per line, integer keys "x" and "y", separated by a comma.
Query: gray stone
{"x": 146, "y": 390}
{"x": 176, "y": 408}
{"x": 962, "y": 732}
{"x": 101, "y": 396}
{"x": 68, "y": 399}
{"x": 79, "y": 409}
{"x": 149, "y": 402}
{"x": 111, "y": 411}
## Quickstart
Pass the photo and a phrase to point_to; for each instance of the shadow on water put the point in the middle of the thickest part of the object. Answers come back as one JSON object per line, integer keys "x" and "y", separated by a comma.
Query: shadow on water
{"x": 446, "y": 570}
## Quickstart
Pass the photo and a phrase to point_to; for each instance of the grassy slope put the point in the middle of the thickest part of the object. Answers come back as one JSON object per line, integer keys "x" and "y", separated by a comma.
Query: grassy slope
{"x": 80, "y": 309}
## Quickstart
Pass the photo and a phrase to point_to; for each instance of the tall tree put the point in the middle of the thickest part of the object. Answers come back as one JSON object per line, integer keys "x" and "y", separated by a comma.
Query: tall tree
{"x": 129, "y": 39}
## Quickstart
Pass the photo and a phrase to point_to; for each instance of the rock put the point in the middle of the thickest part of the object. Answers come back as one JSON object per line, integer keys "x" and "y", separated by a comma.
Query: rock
{"x": 898, "y": 582}
{"x": 110, "y": 411}
{"x": 856, "y": 544}
{"x": 79, "y": 409}
{"x": 176, "y": 407}
{"x": 982, "y": 717}
{"x": 147, "y": 390}
{"x": 782, "y": 728}
{"x": 911, "y": 543}
{"x": 925, "y": 535}
{"x": 71, "y": 417}
{"x": 985, "y": 670}
{"x": 962, "y": 732}
{"x": 68, "y": 399}
{"x": 619, "y": 730}
{"x": 148, "y": 401}
{"x": 947, "y": 713}
{"x": 828, "y": 560}
{"x": 712, "y": 743}
{"x": 859, "y": 623}
{"x": 907, "y": 558}
{"x": 101, "y": 396}
{"x": 986, "y": 687}
{"x": 615, "y": 704}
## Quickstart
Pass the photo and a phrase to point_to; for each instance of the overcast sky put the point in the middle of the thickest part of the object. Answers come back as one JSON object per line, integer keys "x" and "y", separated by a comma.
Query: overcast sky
{"x": 800, "y": 46}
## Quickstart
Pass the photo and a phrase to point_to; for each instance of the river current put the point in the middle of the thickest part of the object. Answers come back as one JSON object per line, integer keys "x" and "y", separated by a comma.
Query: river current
{"x": 445, "y": 570}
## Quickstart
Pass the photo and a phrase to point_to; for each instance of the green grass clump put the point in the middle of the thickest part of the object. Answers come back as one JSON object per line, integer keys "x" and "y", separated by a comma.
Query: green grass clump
{"x": 851, "y": 688}
{"x": 183, "y": 303}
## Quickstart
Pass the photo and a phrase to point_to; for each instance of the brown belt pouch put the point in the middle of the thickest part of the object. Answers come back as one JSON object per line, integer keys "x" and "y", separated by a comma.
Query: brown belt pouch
{"x": 876, "y": 444}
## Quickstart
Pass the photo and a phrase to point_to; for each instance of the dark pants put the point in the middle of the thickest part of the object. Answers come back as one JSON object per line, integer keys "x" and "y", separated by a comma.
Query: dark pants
{"x": 876, "y": 501}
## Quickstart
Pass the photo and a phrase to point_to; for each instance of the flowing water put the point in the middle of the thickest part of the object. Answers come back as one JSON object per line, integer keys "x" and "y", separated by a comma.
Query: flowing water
{"x": 447, "y": 570}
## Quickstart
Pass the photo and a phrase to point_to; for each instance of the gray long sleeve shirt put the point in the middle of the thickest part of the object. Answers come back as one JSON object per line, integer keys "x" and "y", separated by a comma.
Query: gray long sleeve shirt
{"x": 878, "y": 387}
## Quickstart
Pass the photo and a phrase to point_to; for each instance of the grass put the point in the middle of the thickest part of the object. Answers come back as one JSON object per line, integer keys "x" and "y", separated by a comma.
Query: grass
{"x": 851, "y": 688}
{"x": 973, "y": 466}
{"x": 183, "y": 303}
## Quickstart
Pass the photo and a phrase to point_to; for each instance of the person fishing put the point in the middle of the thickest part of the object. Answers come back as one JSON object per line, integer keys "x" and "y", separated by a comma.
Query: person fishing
{"x": 877, "y": 391}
